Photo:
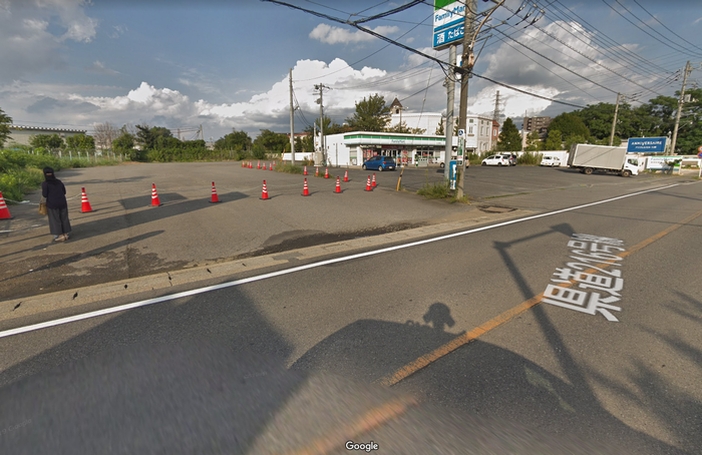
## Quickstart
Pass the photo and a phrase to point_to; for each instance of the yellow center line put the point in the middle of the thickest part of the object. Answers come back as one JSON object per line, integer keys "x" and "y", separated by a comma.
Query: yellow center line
{"x": 465, "y": 338}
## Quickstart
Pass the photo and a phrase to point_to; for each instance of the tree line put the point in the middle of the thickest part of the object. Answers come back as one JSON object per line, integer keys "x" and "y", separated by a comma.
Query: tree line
{"x": 589, "y": 125}
{"x": 593, "y": 125}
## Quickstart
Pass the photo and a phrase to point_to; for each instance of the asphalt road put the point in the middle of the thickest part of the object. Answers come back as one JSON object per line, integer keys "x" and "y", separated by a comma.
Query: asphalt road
{"x": 277, "y": 361}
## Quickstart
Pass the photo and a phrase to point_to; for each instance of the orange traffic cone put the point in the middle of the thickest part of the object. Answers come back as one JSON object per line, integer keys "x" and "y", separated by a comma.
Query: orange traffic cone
{"x": 258, "y": 166}
{"x": 250, "y": 164}
{"x": 4, "y": 211}
{"x": 270, "y": 168}
{"x": 374, "y": 184}
{"x": 155, "y": 201}
{"x": 316, "y": 172}
{"x": 84, "y": 203}
{"x": 215, "y": 198}
{"x": 326, "y": 173}
{"x": 264, "y": 192}
{"x": 346, "y": 176}
{"x": 243, "y": 164}
{"x": 368, "y": 184}
{"x": 338, "y": 186}
{"x": 305, "y": 189}
{"x": 304, "y": 171}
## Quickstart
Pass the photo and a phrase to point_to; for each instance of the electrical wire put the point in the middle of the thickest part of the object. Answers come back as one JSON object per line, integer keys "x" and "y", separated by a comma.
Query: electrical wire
{"x": 442, "y": 64}
{"x": 637, "y": 26}
{"x": 664, "y": 26}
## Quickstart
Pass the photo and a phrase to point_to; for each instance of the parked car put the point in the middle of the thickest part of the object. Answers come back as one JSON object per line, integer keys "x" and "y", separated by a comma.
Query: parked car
{"x": 495, "y": 160}
{"x": 380, "y": 163}
{"x": 551, "y": 161}
{"x": 511, "y": 157}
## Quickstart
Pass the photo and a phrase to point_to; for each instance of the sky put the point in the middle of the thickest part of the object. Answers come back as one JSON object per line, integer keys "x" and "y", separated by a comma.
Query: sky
{"x": 224, "y": 64}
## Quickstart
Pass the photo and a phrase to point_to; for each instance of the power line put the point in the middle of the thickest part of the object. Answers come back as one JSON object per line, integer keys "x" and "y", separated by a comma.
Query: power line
{"x": 671, "y": 31}
{"x": 636, "y": 25}
{"x": 442, "y": 64}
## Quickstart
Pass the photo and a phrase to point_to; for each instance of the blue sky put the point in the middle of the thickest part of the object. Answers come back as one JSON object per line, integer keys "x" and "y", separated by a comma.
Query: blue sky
{"x": 224, "y": 64}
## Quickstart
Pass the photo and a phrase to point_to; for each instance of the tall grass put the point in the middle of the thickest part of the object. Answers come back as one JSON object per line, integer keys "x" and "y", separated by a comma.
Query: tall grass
{"x": 21, "y": 172}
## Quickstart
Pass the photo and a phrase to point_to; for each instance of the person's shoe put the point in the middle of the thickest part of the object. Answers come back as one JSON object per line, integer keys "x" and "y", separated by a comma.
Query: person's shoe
{"x": 66, "y": 237}
{"x": 60, "y": 238}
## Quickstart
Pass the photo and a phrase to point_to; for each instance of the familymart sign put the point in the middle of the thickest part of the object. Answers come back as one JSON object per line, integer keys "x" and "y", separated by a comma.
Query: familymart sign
{"x": 448, "y": 23}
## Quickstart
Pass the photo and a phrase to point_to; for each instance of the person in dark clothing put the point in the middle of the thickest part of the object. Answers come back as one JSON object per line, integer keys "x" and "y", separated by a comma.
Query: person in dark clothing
{"x": 57, "y": 207}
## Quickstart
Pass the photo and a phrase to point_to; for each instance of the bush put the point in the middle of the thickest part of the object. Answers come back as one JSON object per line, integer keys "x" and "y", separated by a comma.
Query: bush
{"x": 529, "y": 158}
{"x": 288, "y": 168}
{"x": 439, "y": 190}
{"x": 16, "y": 182}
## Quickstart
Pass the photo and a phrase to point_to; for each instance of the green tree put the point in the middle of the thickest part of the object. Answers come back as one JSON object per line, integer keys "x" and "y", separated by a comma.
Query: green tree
{"x": 509, "y": 139}
{"x": 371, "y": 115}
{"x": 239, "y": 141}
{"x": 124, "y": 143}
{"x": 330, "y": 127}
{"x": 554, "y": 140}
{"x": 598, "y": 118}
{"x": 571, "y": 127}
{"x": 269, "y": 141}
{"x": 80, "y": 142}
{"x": 533, "y": 142}
{"x": 690, "y": 129}
{"x": 47, "y": 141}
{"x": 5, "y": 122}
{"x": 403, "y": 128}
{"x": 148, "y": 137}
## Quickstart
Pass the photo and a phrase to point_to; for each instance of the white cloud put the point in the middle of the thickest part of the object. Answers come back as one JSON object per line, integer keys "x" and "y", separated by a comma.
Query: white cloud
{"x": 100, "y": 68}
{"x": 32, "y": 33}
{"x": 336, "y": 35}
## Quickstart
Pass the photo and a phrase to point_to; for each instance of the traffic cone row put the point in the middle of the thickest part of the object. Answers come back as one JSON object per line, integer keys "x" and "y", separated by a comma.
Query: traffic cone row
{"x": 156, "y": 201}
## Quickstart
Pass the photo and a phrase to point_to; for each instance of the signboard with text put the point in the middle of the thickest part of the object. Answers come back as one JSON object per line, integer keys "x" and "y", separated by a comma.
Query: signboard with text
{"x": 448, "y": 23}
{"x": 646, "y": 145}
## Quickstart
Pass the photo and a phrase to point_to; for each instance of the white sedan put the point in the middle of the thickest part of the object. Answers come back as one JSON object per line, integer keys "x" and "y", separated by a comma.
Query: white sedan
{"x": 551, "y": 161}
{"x": 495, "y": 160}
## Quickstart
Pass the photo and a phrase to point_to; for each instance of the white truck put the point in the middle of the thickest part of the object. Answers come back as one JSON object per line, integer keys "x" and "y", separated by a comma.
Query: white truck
{"x": 589, "y": 158}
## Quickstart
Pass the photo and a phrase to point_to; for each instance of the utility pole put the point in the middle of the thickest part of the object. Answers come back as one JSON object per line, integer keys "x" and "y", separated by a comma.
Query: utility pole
{"x": 614, "y": 121}
{"x": 321, "y": 157}
{"x": 681, "y": 101}
{"x": 292, "y": 123}
{"x": 467, "y": 60}
{"x": 450, "y": 91}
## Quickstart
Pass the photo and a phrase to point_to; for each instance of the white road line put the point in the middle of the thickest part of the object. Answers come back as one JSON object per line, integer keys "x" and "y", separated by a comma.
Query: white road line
{"x": 265, "y": 276}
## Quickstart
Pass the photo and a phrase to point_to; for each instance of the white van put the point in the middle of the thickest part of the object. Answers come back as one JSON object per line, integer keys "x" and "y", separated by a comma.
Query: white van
{"x": 551, "y": 161}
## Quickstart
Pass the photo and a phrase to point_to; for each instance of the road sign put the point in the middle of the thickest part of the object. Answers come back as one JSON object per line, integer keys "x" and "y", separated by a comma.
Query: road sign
{"x": 448, "y": 23}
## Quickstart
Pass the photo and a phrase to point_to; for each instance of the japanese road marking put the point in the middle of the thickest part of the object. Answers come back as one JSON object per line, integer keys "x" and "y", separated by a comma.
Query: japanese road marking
{"x": 508, "y": 315}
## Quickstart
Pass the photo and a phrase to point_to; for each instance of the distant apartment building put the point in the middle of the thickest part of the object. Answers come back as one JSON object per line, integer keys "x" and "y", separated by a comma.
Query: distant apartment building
{"x": 539, "y": 124}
